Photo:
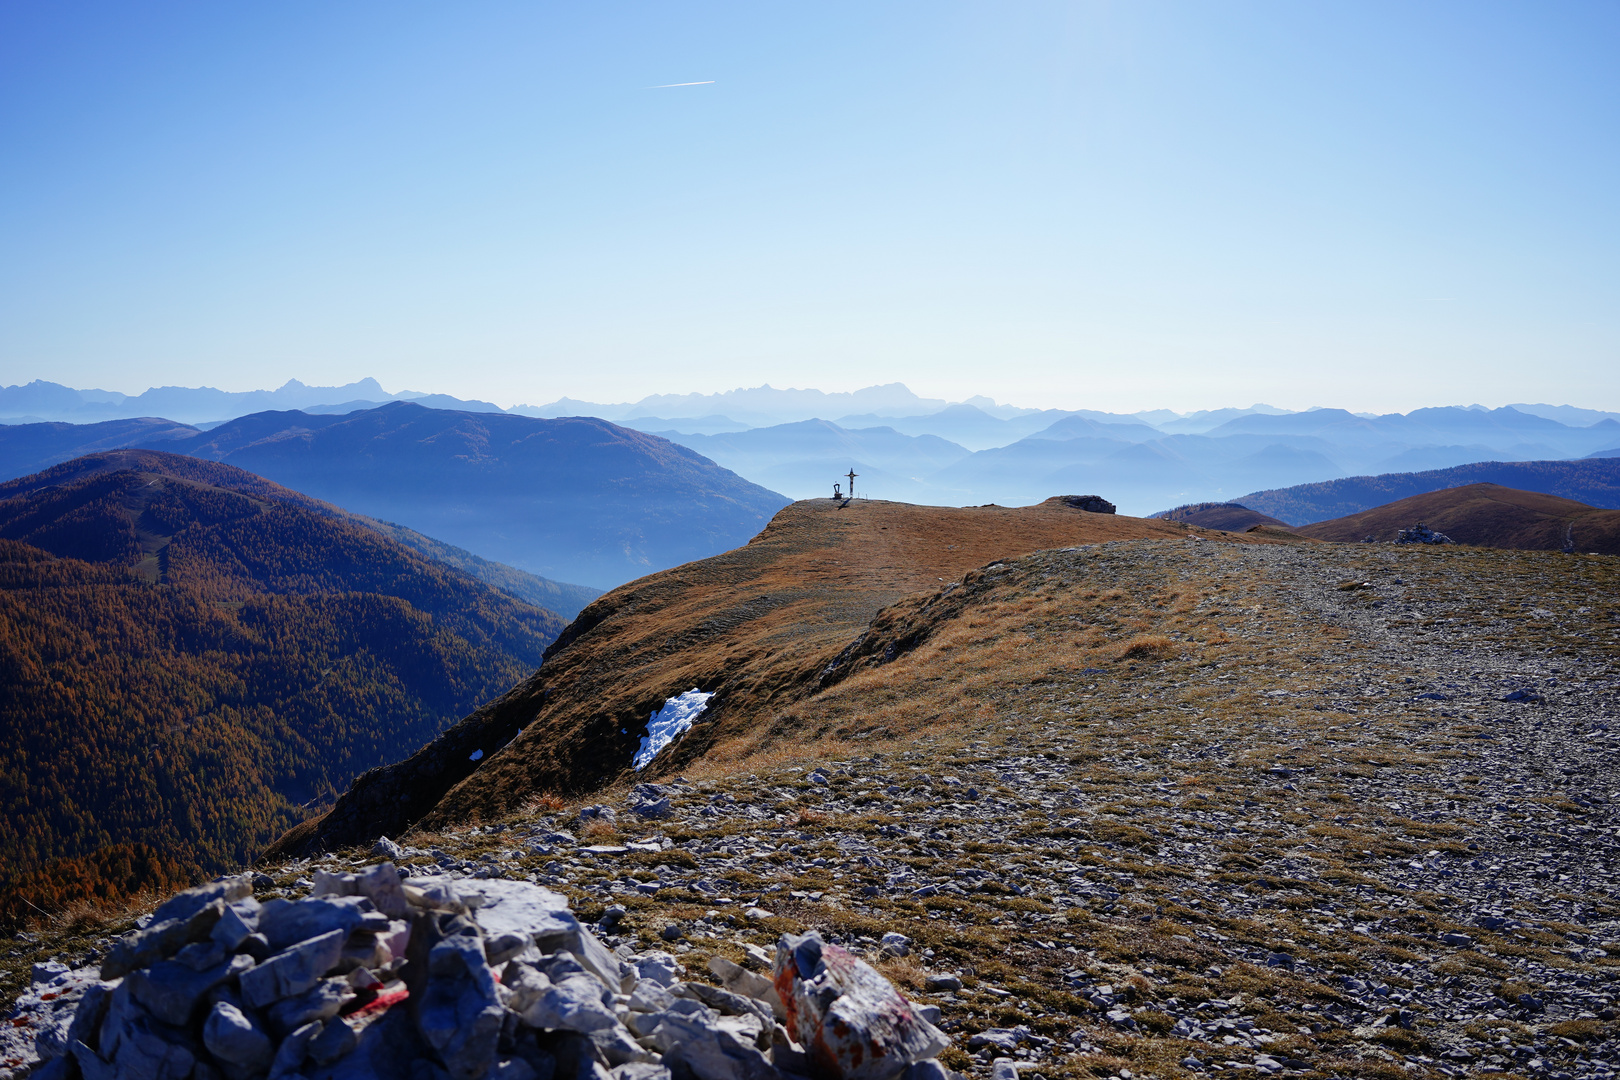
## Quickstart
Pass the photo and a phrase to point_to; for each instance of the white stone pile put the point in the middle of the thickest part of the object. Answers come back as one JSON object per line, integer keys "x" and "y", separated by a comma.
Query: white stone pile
{"x": 439, "y": 978}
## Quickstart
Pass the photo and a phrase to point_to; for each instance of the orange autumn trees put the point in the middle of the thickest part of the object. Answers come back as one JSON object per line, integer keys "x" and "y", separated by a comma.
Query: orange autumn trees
{"x": 190, "y": 665}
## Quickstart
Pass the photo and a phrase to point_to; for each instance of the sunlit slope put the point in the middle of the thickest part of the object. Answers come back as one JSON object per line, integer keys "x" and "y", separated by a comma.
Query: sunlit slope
{"x": 755, "y": 626}
{"x": 1487, "y": 515}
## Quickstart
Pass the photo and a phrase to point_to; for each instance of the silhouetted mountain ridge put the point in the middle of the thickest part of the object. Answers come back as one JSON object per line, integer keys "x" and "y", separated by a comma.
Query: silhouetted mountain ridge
{"x": 573, "y": 499}
{"x": 1228, "y": 517}
{"x": 799, "y": 441}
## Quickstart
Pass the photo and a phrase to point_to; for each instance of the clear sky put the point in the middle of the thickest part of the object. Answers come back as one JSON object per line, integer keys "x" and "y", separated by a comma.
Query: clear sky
{"x": 1108, "y": 205}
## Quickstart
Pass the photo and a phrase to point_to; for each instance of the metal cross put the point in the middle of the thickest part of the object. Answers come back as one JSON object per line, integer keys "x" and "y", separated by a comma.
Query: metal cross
{"x": 852, "y": 475}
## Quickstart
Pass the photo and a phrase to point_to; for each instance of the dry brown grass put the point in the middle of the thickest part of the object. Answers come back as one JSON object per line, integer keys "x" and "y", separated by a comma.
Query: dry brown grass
{"x": 544, "y": 803}
{"x": 601, "y": 832}
{"x": 1147, "y": 647}
{"x": 757, "y": 625}
{"x": 93, "y": 917}
{"x": 903, "y": 971}
{"x": 1007, "y": 676}
{"x": 1031, "y": 667}
{"x": 1583, "y": 1030}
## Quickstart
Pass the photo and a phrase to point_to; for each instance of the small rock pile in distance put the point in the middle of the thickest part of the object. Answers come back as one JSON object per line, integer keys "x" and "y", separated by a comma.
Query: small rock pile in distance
{"x": 431, "y": 978}
{"x": 1422, "y": 534}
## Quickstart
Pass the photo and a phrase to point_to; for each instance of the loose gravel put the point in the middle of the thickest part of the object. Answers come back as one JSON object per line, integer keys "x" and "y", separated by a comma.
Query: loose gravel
{"x": 1358, "y": 821}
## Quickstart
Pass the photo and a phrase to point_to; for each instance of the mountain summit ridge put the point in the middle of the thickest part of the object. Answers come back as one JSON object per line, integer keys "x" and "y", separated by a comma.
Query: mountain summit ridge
{"x": 754, "y": 626}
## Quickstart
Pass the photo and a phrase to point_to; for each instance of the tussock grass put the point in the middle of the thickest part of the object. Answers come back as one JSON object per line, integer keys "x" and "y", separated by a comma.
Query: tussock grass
{"x": 601, "y": 832}
{"x": 1147, "y": 647}
{"x": 903, "y": 971}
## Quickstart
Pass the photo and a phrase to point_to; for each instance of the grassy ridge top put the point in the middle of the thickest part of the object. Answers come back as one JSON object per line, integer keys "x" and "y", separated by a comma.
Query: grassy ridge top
{"x": 755, "y": 626}
{"x": 1264, "y": 807}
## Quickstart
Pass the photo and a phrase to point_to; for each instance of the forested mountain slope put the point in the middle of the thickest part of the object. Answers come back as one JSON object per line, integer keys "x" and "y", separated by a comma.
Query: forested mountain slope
{"x": 192, "y": 656}
{"x": 97, "y": 448}
{"x": 561, "y": 597}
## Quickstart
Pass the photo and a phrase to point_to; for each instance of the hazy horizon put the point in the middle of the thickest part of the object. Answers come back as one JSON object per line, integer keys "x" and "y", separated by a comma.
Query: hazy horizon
{"x": 636, "y": 398}
{"x": 1374, "y": 206}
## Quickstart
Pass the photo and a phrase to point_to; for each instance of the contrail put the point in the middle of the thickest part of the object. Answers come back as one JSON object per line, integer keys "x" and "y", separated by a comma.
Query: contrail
{"x": 666, "y": 86}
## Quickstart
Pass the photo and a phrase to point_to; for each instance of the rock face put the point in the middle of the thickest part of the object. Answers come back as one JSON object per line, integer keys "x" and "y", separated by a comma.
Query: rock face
{"x": 1094, "y": 504}
{"x": 375, "y": 977}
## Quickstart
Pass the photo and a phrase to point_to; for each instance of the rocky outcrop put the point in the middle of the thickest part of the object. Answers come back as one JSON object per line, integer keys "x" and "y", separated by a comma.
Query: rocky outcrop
{"x": 851, "y": 1020}
{"x": 377, "y": 976}
{"x": 1422, "y": 534}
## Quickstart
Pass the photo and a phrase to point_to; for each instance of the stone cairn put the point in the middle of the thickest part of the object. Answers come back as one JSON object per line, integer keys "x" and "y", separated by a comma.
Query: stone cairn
{"x": 440, "y": 978}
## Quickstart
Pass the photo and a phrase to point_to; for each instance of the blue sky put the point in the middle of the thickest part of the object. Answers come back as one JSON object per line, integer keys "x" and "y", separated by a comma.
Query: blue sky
{"x": 1107, "y": 205}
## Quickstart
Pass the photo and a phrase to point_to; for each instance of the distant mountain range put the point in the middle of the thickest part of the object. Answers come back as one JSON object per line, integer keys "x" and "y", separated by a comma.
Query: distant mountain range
{"x": 46, "y": 401}
{"x": 576, "y": 499}
{"x": 192, "y": 655}
{"x": 760, "y": 406}
{"x": 892, "y": 404}
{"x": 1130, "y": 462}
{"x": 803, "y": 458}
{"x": 904, "y": 446}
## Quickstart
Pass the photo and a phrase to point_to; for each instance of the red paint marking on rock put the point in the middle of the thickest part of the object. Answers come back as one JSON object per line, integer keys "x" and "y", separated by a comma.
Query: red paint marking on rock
{"x": 851, "y": 1020}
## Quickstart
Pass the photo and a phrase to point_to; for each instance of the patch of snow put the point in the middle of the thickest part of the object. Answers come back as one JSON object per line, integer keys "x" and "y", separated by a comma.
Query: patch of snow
{"x": 665, "y": 725}
{"x": 476, "y": 755}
